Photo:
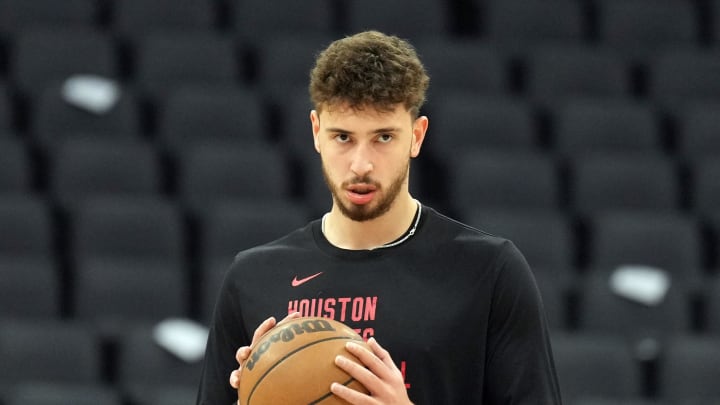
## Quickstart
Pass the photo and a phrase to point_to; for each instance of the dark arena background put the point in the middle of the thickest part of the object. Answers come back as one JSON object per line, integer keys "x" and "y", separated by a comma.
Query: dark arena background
{"x": 144, "y": 142}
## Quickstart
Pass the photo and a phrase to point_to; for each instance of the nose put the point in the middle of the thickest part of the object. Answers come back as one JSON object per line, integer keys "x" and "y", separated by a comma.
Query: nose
{"x": 361, "y": 163}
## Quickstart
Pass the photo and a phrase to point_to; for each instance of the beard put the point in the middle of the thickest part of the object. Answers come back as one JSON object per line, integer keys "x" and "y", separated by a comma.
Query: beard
{"x": 373, "y": 210}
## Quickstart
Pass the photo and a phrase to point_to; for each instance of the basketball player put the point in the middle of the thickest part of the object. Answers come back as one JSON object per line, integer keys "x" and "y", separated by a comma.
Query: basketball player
{"x": 456, "y": 310}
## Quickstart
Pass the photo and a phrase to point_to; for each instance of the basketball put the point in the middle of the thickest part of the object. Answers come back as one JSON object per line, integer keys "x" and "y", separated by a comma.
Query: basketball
{"x": 294, "y": 363}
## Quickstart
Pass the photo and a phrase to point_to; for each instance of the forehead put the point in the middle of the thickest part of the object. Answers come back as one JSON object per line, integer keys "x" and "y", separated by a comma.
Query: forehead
{"x": 364, "y": 114}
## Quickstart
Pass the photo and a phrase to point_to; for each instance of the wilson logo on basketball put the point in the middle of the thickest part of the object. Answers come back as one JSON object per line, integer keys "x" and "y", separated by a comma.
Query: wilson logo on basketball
{"x": 287, "y": 334}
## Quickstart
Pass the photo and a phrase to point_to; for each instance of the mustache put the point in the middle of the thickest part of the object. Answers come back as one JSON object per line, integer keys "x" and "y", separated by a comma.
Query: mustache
{"x": 361, "y": 180}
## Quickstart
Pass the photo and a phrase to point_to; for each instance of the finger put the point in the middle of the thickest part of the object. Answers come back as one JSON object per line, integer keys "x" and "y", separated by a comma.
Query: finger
{"x": 262, "y": 329}
{"x": 382, "y": 354}
{"x": 359, "y": 372}
{"x": 235, "y": 379}
{"x": 349, "y": 394}
{"x": 242, "y": 354}
{"x": 292, "y": 315}
{"x": 371, "y": 360}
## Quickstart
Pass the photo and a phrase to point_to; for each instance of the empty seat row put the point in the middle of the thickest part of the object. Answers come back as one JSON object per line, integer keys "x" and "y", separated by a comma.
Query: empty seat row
{"x": 144, "y": 373}
{"x": 159, "y": 62}
{"x": 583, "y": 185}
{"x": 636, "y": 25}
{"x": 87, "y": 263}
{"x": 80, "y": 366}
{"x": 476, "y": 179}
{"x": 685, "y": 374}
{"x": 200, "y": 114}
{"x": 126, "y": 259}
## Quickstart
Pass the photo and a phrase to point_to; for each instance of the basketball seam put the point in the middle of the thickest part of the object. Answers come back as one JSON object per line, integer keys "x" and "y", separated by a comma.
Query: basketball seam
{"x": 249, "y": 399}
{"x": 326, "y": 396}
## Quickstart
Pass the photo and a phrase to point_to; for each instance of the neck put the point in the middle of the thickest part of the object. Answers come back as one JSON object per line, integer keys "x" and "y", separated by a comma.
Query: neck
{"x": 375, "y": 233}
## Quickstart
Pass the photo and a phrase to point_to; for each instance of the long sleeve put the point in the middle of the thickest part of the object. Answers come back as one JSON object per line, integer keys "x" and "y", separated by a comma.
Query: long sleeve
{"x": 520, "y": 366}
{"x": 227, "y": 334}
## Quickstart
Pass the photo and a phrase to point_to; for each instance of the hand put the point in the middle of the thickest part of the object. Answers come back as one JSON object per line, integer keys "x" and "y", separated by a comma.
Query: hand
{"x": 244, "y": 352}
{"x": 381, "y": 377}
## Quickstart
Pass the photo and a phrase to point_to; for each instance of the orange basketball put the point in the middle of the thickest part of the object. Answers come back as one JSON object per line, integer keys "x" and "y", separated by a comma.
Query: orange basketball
{"x": 294, "y": 364}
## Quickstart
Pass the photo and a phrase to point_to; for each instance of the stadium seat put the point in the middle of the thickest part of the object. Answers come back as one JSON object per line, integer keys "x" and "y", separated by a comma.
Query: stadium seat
{"x": 229, "y": 228}
{"x": 601, "y": 400}
{"x": 705, "y": 173}
{"x": 715, "y": 15}
{"x": 30, "y": 393}
{"x": 54, "y": 119}
{"x": 19, "y": 15}
{"x": 169, "y": 395}
{"x": 595, "y": 365}
{"x": 681, "y": 78}
{"x": 294, "y": 126}
{"x": 49, "y": 352}
{"x": 546, "y": 239}
{"x": 128, "y": 262}
{"x": 165, "y": 62}
{"x": 711, "y": 298}
{"x": 6, "y": 109}
{"x": 314, "y": 189}
{"x": 602, "y": 311}
{"x": 43, "y": 57}
{"x": 16, "y": 176}
{"x": 518, "y": 26}
{"x": 591, "y": 125}
{"x": 145, "y": 370}
{"x": 509, "y": 180}
{"x": 430, "y": 18}
{"x": 283, "y": 64}
{"x": 83, "y": 168}
{"x": 623, "y": 181}
{"x": 234, "y": 226}
{"x": 639, "y": 29}
{"x": 198, "y": 115}
{"x": 209, "y": 174}
{"x": 482, "y": 123}
{"x": 27, "y": 227}
{"x": 131, "y": 20}
{"x": 254, "y": 21}
{"x": 31, "y": 287}
{"x": 556, "y": 74}
{"x": 670, "y": 241}
{"x": 697, "y": 130}
{"x": 689, "y": 371}
{"x": 712, "y": 222}
{"x": 463, "y": 66}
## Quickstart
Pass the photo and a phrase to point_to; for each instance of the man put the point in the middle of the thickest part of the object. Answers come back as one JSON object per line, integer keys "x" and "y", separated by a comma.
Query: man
{"x": 457, "y": 310}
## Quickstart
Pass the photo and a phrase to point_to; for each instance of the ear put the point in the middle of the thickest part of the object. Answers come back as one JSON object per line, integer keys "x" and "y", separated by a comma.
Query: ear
{"x": 420, "y": 127}
{"x": 315, "y": 121}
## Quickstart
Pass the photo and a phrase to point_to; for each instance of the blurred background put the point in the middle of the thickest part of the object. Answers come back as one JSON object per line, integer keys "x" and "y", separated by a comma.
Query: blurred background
{"x": 144, "y": 142}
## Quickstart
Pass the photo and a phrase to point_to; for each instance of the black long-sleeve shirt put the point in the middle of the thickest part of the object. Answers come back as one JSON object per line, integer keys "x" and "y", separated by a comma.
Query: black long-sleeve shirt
{"x": 457, "y": 308}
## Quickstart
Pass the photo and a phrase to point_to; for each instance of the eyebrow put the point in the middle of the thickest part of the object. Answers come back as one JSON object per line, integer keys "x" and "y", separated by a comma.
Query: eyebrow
{"x": 375, "y": 131}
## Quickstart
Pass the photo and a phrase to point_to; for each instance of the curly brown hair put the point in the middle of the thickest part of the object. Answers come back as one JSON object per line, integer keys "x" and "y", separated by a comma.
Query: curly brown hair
{"x": 369, "y": 69}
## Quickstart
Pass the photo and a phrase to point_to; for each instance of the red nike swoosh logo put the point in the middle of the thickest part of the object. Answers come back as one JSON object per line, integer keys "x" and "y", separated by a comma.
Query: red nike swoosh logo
{"x": 296, "y": 282}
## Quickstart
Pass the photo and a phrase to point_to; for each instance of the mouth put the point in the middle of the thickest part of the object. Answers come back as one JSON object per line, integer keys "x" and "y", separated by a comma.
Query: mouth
{"x": 361, "y": 188}
{"x": 361, "y": 193}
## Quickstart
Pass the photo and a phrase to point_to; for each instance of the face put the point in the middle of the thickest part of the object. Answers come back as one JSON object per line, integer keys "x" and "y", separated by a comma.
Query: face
{"x": 366, "y": 156}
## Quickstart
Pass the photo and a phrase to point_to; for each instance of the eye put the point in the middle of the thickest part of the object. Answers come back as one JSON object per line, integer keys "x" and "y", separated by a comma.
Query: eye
{"x": 342, "y": 138}
{"x": 385, "y": 138}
